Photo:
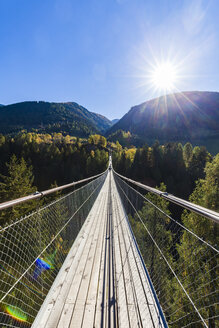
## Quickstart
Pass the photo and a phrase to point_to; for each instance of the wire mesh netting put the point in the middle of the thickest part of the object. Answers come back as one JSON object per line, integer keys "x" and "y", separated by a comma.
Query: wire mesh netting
{"x": 33, "y": 249}
{"x": 181, "y": 257}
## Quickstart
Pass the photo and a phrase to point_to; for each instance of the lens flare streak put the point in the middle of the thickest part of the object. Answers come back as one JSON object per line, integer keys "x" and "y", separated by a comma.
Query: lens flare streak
{"x": 16, "y": 313}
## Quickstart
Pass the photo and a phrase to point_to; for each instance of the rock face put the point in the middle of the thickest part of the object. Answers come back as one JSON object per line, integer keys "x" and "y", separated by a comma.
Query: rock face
{"x": 187, "y": 116}
{"x": 51, "y": 117}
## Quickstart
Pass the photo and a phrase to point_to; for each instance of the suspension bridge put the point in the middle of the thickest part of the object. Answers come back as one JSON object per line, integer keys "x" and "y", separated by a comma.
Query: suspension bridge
{"x": 106, "y": 255}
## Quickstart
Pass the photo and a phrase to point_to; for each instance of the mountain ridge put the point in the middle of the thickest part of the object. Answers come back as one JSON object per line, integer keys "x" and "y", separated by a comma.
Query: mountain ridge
{"x": 115, "y": 120}
{"x": 68, "y": 117}
{"x": 187, "y": 116}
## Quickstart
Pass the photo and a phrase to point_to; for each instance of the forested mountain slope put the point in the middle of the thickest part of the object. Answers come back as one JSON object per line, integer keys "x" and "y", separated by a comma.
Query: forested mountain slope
{"x": 51, "y": 117}
{"x": 183, "y": 117}
{"x": 115, "y": 120}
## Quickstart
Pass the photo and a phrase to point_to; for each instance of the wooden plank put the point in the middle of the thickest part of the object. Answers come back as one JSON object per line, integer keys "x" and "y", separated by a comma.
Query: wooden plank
{"x": 79, "y": 275}
{"x": 100, "y": 304}
{"x": 64, "y": 280}
{"x": 90, "y": 306}
{"x": 88, "y": 270}
{"x": 65, "y": 316}
{"x": 122, "y": 305}
{"x": 67, "y": 270}
{"x": 57, "y": 310}
{"x": 106, "y": 268}
{"x": 113, "y": 288}
{"x": 138, "y": 289}
{"x": 75, "y": 286}
{"x": 131, "y": 302}
{"x": 146, "y": 303}
{"x": 77, "y": 316}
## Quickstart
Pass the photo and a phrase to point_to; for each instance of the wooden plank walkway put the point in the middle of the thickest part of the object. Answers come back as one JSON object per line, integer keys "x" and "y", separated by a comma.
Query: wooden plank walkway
{"x": 102, "y": 282}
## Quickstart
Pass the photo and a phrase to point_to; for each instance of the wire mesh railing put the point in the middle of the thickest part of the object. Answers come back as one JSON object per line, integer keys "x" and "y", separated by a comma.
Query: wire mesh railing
{"x": 33, "y": 249}
{"x": 181, "y": 258}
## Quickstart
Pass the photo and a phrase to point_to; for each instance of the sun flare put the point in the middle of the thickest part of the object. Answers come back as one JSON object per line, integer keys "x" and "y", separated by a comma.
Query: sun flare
{"x": 164, "y": 76}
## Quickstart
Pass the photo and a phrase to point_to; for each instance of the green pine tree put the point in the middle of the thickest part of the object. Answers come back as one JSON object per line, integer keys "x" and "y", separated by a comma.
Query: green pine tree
{"x": 18, "y": 183}
{"x": 197, "y": 262}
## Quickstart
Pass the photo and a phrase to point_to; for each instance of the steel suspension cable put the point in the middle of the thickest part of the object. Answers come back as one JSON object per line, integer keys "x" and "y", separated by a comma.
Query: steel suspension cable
{"x": 40, "y": 194}
{"x": 205, "y": 212}
{"x": 165, "y": 259}
{"x": 172, "y": 219}
{"x": 47, "y": 246}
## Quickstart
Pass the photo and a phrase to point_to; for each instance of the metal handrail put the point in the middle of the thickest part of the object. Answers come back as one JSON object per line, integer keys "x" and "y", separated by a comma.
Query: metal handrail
{"x": 205, "y": 212}
{"x": 39, "y": 194}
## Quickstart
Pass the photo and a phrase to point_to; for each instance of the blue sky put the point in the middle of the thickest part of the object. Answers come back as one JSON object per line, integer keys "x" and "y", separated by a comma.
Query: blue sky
{"x": 99, "y": 52}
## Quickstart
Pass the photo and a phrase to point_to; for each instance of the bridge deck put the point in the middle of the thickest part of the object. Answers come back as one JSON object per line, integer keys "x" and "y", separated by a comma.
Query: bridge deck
{"x": 102, "y": 282}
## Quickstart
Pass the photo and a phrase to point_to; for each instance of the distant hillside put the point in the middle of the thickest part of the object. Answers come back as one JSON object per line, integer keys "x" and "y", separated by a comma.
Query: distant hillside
{"x": 187, "y": 116}
{"x": 115, "y": 120}
{"x": 126, "y": 139}
{"x": 51, "y": 117}
{"x": 102, "y": 122}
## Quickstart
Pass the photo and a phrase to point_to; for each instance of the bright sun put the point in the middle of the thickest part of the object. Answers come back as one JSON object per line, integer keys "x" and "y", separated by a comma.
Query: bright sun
{"x": 164, "y": 76}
